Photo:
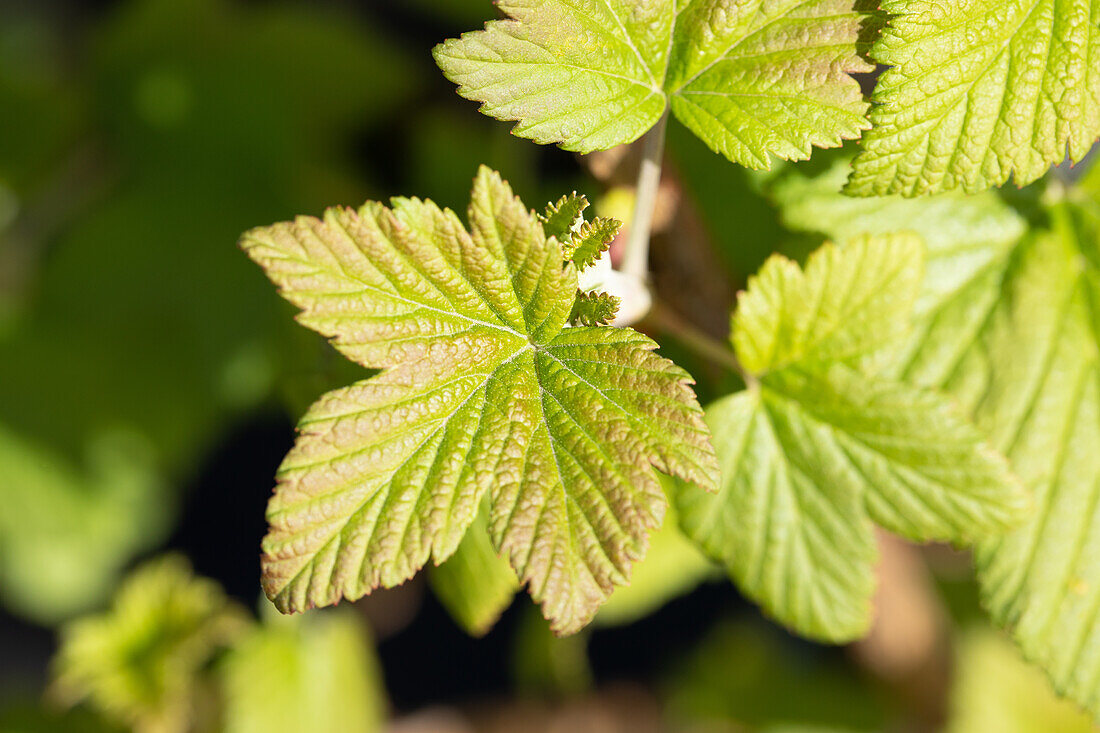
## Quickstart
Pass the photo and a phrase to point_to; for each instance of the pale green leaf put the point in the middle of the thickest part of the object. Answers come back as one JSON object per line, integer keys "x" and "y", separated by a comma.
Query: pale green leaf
{"x": 968, "y": 243}
{"x": 808, "y": 461}
{"x": 846, "y": 303}
{"x": 980, "y": 91}
{"x": 1013, "y": 339}
{"x": 475, "y": 584}
{"x": 139, "y": 662}
{"x": 752, "y": 79}
{"x": 1034, "y": 380}
{"x": 313, "y": 673}
{"x": 926, "y": 473}
{"x": 561, "y": 217}
{"x": 800, "y": 546}
{"x": 483, "y": 392}
{"x": 815, "y": 450}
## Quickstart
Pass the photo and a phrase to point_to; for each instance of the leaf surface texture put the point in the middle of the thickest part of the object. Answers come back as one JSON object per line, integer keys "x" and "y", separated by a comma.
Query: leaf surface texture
{"x": 483, "y": 392}
{"x": 980, "y": 91}
{"x": 751, "y": 79}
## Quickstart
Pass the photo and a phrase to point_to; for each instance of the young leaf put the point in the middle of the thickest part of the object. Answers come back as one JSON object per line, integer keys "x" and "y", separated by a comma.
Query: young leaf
{"x": 483, "y": 392}
{"x": 846, "y": 303}
{"x": 980, "y": 90}
{"x": 751, "y": 79}
{"x": 559, "y": 218}
{"x": 475, "y": 584}
{"x": 590, "y": 241}
{"x": 969, "y": 240}
{"x": 593, "y": 309}
{"x": 815, "y": 450}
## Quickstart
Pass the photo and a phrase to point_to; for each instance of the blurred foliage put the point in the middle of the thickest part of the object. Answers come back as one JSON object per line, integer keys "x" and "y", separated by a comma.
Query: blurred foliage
{"x": 139, "y": 662}
{"x": 32, "y": 718}
{"x": 188, "y": 121}
{"x": 43, "y": 111}
{"x": 302, "y": 673}
{"x": 996, "y": 690}
{"x": 174, "y": 655}
{"x": 748, "y": 676}
{"x": 64, "y": 532}
{"x": 209, "y": 118}
{"x": 544, "y": 665}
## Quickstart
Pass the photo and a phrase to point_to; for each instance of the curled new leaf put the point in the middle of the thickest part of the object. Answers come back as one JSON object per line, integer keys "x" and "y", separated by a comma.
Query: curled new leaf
{"x": 590, "y": 241}
{"x": 562, "y": 216}
{"x": 139, "y": 662}
{"x": 483, "y": 392}
{"x": 594, "y": 309}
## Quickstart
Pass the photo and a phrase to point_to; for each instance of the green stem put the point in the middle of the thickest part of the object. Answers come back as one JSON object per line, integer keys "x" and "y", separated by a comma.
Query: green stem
{"x": 636, "y": 258}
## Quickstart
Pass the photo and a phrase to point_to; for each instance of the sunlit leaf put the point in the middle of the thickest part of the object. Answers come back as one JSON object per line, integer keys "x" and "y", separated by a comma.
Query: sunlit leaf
{"x": 815, "y": 450}
{"x": 980, "y": 91}
{"x": 483, "y": 393}
{"x": 752, "y": 79}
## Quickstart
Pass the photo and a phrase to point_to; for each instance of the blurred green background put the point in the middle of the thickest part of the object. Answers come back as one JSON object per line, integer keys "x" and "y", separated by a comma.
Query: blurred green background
{"x": 150, "y": 377}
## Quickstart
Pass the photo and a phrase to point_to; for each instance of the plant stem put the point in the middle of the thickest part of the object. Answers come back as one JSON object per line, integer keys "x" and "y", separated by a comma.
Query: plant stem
{"x": 696, "y": 340}
{"x": 636, "y": 258}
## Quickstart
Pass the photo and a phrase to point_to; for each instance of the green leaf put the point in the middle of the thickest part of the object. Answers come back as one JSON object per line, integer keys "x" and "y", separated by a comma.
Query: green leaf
{"x": 590, "y": 241}
{"x": 561, "y": 217}
{"x": 845, "y": 304}
{"x": 1011, "y": 336}
{"x": 1034, "y": 375}
{"x": 594, "y": 309}
{"x": 815, "y": 450}
{"x": 483, "y": 392}
{"x": 980, "y": 90}
{"x": 1006, "y": 329}
{"x": 139, "y": 662}
{"x": 969, "y": 240}
{"x": 312, "y": 673}
{"x": 752, "y": 80}
{"x": 475, "y": 584}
